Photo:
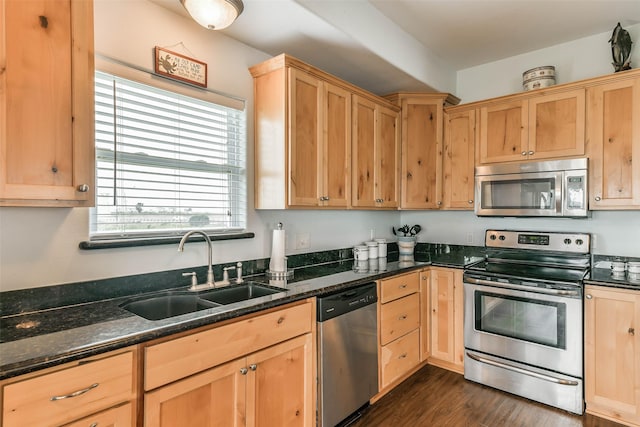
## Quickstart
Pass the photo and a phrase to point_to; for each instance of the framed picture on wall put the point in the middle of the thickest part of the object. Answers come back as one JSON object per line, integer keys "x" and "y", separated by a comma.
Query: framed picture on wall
{"x": 179, "y": 67}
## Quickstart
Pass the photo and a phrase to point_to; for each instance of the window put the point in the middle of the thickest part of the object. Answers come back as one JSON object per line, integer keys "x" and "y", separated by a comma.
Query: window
{"x": 165, "y": 163}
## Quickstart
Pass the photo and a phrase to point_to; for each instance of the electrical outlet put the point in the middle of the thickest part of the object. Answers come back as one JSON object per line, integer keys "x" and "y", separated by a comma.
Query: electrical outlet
{"x": 303, "y": 241}
{"x": 469, "y": 238}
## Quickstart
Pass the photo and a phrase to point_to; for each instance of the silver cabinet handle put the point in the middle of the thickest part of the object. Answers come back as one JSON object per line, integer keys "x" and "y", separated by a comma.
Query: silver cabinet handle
{"x": 439, "y": 203}
{"x": 632, "y": 331}
{"x": 253, "y": 367}
{"x": 531, "y": 153}
{"x": 470, "y": 202}
{"x": 83, "y": 188}
{"x": 402, "y": 356}
{"x": 524, "y": 153}
{"x": 244, "y": 371}
{"x": 94, "y": 425}
{"x": 587, "y": 296}
{"x": 598, "y": 198}
{"x": 75, "y": 393}
{"x": 403, "y": 286}
{"x": 403, "y": 317}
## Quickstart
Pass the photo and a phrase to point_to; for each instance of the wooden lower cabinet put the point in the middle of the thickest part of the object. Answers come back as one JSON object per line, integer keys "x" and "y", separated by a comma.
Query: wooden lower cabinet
{"x": 99, "y": 389}
{"x": 447, "y": 319}
{"x": 399, "y": 321}
{"x": 256, "y": 371}
{"x": 612, "y": 354}
{"x": 267, "y": 388}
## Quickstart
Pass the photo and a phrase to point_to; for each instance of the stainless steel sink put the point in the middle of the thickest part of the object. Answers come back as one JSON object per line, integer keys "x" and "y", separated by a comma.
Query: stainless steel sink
{"x": 168, "y": 305}
{"x": 237, "y": 293}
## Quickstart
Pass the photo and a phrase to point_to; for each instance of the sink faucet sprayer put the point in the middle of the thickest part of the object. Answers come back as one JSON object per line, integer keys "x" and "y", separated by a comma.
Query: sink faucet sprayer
{"x": 210, "y": 282}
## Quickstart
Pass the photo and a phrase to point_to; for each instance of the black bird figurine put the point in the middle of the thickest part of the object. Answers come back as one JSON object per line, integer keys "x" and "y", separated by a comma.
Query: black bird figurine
{"x": 620, "y": 48}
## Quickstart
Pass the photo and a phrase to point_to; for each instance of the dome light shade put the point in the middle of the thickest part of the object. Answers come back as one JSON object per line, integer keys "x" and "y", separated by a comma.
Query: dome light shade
{"x": 214, "y": 14}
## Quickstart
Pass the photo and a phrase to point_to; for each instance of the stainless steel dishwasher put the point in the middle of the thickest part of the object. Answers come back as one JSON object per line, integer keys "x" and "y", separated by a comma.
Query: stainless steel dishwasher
{"x": 347, "y": 353}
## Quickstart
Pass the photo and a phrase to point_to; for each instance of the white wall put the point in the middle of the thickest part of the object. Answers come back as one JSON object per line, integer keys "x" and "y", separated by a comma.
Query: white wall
{"x": 614, "y": 232}
{"x": 39, "y": 246}
{"x": 576, "y": 60}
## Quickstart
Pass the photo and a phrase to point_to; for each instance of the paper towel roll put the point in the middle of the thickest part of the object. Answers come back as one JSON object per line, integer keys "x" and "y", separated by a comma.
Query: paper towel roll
{"x": 277, "y": 252}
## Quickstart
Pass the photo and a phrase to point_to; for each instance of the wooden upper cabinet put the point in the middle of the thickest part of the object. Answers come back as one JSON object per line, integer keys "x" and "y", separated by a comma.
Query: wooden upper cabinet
{"x": 503, "y": 133}
{"x": 46, "y": 103}
{"x": 556, "y": 125}
{"x": 375, "y": 154}
{"x": 546, "y": 126}
{"x": 421, "y": 169}
{"x": 459, "y": 160}
{"x": 302, "y": 140}
{"x": 613, "y": 143}
{"x": 319, "y": 142}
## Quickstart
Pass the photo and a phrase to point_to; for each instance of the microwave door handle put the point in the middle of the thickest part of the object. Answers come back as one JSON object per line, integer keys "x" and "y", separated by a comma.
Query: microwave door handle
{"x": 558, "y": 292}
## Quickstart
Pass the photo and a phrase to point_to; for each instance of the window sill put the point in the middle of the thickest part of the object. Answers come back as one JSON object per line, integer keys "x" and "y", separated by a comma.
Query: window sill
{"x": 128, "y": 243}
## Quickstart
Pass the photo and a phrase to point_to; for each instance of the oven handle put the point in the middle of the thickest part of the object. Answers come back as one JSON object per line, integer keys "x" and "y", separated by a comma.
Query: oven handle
{"x": 522, "y": 371}
{"x": 560, "y": 292}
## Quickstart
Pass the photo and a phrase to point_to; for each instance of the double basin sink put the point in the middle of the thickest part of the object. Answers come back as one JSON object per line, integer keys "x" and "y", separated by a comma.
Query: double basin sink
{"x": 174, "y": 303}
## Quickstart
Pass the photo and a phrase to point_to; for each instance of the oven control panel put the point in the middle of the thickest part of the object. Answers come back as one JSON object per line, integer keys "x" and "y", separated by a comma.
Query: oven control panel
{"x": 546, "y": 241}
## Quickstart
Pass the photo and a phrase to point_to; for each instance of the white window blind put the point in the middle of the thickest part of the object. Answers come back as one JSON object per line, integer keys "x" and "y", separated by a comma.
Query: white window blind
{"x": 165, "y": 163}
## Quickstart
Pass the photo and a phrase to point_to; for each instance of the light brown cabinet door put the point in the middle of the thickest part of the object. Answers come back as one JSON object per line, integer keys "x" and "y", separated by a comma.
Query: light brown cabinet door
{"x": 46, "y": 103}
{"x": 442, "y": 315}
{"x": 214, "y": 398}
{"x": 612, "y": 353}
{"x": 459, "y": 160}
{"x": 305, "y": 139}
{"x": 503, "y": 132}
{"x": 363, "y": 152}
{"x": 425, "y": 317}
{"x": 447, "y": 318}
{"x": 556, "y": 125}
{"x": 375, "y": 154}
{"x": 613, "y": 143}
{"x": 336, "y": 147}
{"x": 388, "y": 153}
{"x": 281, "y": 385}
{"x": 421, "y": 153}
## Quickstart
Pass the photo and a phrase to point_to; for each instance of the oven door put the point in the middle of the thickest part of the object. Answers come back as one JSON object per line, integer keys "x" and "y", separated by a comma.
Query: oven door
{"x": 520, "y": 194}
{"x": 542, "y": 329}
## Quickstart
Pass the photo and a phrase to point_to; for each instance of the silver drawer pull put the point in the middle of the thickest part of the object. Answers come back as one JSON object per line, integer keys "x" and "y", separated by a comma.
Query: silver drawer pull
{"x": 403, "y": 286}
{"x": 75, "y": 393}
{"x": 94, "y": 425}
{"x": 244, "y": 371}
{"x": 253, "y": 366}
{"x": 403, "y": 356}
{"x": 403, "y": 317}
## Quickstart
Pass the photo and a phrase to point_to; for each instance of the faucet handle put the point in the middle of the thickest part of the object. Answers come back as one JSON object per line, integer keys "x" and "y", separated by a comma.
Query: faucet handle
{"x": 194, "y": 278}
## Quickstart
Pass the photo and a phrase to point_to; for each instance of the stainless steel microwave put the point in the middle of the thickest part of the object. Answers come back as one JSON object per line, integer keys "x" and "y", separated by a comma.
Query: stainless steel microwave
{"x": 553, "y": 188}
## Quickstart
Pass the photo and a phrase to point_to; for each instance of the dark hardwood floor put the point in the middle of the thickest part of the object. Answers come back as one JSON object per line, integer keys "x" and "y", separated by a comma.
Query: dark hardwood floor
{"x": 437, "y": 397}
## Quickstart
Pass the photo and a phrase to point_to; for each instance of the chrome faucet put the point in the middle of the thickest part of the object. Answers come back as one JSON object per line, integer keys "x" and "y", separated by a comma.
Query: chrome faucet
{"x": 210, "y": 282}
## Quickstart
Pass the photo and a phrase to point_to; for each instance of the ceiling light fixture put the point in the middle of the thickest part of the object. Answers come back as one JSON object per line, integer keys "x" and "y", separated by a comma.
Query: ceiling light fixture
{"x": 214, "y": 14}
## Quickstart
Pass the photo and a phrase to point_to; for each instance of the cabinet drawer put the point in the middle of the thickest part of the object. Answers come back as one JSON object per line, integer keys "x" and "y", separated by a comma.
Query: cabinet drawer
{"x": 399, "y": 356}
{"x": 399, "y": 317}
{"x": 69, "y": 394}
{"x": 397, "y": 287}
{"x": 172, "y": 360}
{"x": 120, "y": 416}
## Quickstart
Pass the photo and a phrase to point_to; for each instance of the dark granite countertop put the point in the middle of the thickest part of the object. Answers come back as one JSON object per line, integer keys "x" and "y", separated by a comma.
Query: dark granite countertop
{"x": 47, "y": 337}
{"x": 603, "y": 277}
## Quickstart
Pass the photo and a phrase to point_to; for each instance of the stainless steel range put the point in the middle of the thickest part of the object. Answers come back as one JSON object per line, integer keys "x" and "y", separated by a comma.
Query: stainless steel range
{"x": 524, "y": 314}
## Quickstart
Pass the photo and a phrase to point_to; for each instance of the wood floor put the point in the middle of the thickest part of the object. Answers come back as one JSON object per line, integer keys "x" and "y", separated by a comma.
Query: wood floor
{"x": 437, "y": 397}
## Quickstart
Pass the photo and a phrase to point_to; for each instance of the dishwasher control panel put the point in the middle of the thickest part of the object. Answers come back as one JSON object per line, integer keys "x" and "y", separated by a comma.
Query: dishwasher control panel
{"x": 334, "y": 305}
